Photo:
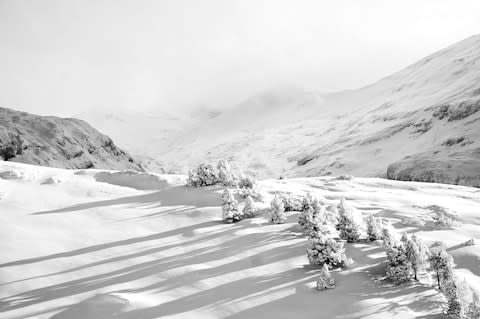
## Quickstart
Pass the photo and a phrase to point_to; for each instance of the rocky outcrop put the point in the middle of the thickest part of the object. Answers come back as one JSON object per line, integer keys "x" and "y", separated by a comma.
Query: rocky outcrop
{"x": 459, "y": 168}
{"x": 58, "y": 142}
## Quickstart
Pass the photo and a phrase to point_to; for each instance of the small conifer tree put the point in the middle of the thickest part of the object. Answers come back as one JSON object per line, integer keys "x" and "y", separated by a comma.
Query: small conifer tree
{"x": 442, "y": 265}
{"x": 325, "y": 280}
{"x": 389, "y": 234}
{"x": 348, "y": 228}
{"x": 250, "y": 209}
{"x": 277, "y": 211}
{"x": 230, "y": 207}
{"x": 374, "y": 228}
{"x": 225, "y": 175}
{"x": 399, "y": 268}
{"x": 322, "y": 250}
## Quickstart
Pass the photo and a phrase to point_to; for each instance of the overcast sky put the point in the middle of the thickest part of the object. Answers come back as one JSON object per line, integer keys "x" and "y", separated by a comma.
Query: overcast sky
{"x": 64, "y": 56}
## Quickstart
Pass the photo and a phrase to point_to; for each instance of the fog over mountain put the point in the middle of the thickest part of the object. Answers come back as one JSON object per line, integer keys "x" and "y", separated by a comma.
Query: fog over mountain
{"x": 421, "y": 123}
{"x": 67, "y": 57}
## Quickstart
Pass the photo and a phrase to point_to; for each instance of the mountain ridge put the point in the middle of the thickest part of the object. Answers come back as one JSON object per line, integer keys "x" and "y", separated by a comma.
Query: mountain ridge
{"x": 58, "y": 142}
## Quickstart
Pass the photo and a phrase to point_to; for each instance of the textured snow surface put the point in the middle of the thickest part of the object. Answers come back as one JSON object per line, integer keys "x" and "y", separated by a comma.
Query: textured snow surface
{"x": 75, "y": 247}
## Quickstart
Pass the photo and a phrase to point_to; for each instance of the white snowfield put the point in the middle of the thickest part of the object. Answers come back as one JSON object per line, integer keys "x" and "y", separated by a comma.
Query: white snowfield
{"x": 98, "y": 244}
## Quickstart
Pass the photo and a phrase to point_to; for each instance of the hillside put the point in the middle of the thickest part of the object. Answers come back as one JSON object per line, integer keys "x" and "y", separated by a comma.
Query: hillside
{"x": 105, "y": 244}
{"x": 422, "y": 123}
{"x": 58, "y": 142}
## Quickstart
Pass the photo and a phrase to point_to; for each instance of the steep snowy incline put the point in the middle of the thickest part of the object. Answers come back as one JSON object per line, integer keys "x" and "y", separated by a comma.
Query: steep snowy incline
{"x": 77, "y": 245}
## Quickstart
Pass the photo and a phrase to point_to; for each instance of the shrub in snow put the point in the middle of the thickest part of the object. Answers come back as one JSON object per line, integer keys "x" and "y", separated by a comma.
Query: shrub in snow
{"x": 348, "y": 228}
{"x": 442, "y": 265}
{"x": 374, "y": 228}
{"x": 250, "y": 209}
{"x": 470, "y": 242}
{"x": 413, "y": 221}
{"x": 250, "y": 192}
{"x": 325, "y": 280}
{"x": 326, "y": 251}
{"x": 246, "y": 181}
{"x": 442, "y": 220}
{"x": 225, "y": 175}
{"x": 230, "y": 207}
{"x": 277, "y": 211}
{"x": 205, "y": 175}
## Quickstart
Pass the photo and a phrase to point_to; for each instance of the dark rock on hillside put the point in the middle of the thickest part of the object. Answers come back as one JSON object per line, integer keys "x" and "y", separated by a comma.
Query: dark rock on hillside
{"x": 459, "y": 168}
{"x": 58, "y": 142}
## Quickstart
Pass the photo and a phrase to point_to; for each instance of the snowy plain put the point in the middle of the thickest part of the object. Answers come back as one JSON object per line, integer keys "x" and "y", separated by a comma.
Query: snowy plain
{"x": 105, "y": 244}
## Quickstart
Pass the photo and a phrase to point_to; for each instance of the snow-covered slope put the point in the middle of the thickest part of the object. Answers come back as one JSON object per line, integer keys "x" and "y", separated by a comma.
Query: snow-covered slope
{"x": 58, "y": 142}
{"x": 428, "y": 112}
{"x": 98, "y": 244}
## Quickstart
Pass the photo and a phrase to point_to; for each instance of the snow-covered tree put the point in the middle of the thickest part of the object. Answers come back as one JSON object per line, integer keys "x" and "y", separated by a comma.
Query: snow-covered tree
{"x": 322, "y": 250}
{"x": 250, "y": 209}
{"x": 399, "y": 268}
{"x": 291, "y": 204}
{"x": 325, "y": 280}
{"x": 374, "y": 228}
{"x": 417, "y": 253}
{"x": 442, "y": 265}
{"x": 455, "y": 307}
{"x": 193, "y": 179}
{"x": 277, "y": 211}
{"x": 306, "y": 210}
{"x": 389, "y": 234}
{"x": 468, "y": 298}
{"x": 225, "y": 174}
{"x": 230, "y": 207}
{"x": 245, "y": 181}
{"x": 347, "y": 226}
{"x": 315, "y": 222}
{"x": 205, "y": 175}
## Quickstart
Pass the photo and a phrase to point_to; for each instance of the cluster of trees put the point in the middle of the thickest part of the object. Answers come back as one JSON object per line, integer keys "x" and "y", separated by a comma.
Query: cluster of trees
{"x": 409, "y": 256}
{"x": 207, "y": 175}
{"x": 230, "y": 210}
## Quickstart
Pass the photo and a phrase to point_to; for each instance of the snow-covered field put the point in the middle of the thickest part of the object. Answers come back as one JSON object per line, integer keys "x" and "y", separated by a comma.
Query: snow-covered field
{"x": 91, "y": 244}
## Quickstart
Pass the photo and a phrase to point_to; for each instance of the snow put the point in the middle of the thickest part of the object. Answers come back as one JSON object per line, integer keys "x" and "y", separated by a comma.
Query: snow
{"x": 359, "y": 132}
{"x": 84, "y": 248}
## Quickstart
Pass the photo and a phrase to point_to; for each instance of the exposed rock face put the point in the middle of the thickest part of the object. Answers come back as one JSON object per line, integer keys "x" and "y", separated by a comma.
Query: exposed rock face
{"x": 460, "y": 168}
{"x": 58, "y": 142}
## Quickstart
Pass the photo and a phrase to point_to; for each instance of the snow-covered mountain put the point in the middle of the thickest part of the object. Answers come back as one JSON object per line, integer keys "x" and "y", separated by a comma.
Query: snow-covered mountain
{"x": 58, "y": 142}
{"x": 421, "y": 123}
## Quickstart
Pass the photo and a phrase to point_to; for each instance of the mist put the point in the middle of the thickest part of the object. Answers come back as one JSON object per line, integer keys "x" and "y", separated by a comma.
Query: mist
{"x": 66, "y": 57}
